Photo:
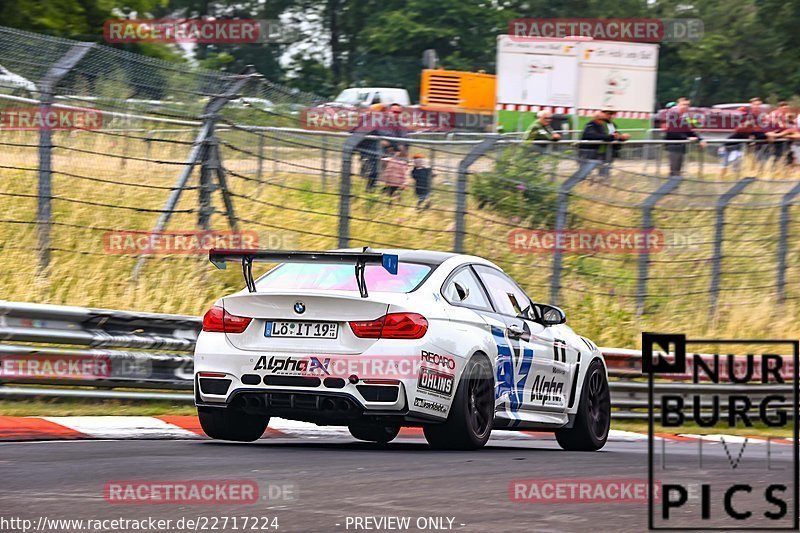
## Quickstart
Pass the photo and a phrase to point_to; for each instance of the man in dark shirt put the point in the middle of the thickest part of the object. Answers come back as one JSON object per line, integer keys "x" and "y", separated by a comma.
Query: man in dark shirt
{"x": 601, "y": 129}
{"x": 679, "y": 127}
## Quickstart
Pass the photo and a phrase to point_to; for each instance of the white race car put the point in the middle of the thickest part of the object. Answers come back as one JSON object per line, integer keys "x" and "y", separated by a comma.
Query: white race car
{"x": 376, "y": 340}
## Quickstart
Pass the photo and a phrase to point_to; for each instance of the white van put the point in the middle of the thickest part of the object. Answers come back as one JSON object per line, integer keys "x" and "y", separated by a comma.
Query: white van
{"x": 366, "y": 96}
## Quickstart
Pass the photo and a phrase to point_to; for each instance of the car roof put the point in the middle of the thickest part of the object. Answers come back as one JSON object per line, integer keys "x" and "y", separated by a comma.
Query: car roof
{"x": 428, "y": 257}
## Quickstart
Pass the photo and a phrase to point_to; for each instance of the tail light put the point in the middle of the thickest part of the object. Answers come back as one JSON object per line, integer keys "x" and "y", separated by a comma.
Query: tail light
{"x": 219, "y": 320}
{"x": 392, "y": 326}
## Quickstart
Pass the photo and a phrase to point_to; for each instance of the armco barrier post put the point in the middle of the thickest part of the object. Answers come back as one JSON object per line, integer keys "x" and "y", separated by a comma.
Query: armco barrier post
{"x": 461, "y": 189}
{"x": 647, "y": 225}
{"x": 719, "y": 235}
{"x": 47, "y": 88}
{"x": 561, "y": 221}
{"x": 783, "y": 238}
{"x": 344, "y": 187}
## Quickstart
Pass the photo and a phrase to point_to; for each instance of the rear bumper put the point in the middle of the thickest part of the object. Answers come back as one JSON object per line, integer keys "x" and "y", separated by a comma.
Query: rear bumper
{"x": 225, "y": 376}
{"x": 321, "y": 407}
{"x": 225, "y": 389}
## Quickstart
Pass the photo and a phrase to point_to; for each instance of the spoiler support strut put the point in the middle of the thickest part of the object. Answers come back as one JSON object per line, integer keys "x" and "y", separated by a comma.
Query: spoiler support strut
{"x": 247, "y": 273}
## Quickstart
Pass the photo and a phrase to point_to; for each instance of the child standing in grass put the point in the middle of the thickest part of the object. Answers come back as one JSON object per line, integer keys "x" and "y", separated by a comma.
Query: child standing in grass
{"x": 421, "y": 174}
{"x": 396, "y": 168}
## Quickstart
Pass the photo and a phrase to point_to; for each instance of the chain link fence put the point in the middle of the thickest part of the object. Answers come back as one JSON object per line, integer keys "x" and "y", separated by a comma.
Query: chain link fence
{"x": 118, "y": 215}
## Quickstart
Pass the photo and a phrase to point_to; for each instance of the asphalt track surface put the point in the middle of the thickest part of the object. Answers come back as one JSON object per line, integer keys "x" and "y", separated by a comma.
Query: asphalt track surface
{"x": 339, "y": 478}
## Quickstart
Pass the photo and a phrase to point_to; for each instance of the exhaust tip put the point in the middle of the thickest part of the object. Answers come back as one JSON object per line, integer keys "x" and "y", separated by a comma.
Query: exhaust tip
{"x": 328, "y": 405}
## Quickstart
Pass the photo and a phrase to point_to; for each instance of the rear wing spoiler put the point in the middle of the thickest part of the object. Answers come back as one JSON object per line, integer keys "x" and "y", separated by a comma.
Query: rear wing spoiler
{"x": 220, "y": 257}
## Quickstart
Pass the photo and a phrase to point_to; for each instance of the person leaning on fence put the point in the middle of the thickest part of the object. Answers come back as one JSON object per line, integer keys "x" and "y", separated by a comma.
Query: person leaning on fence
{"x": 780, "y": 131}
{"x": 421, "y": 173}
{"x": 750, "y": 127}
{"x": 541, "y": 129}
{"x": 601, "y": 128}
{"x": 679, "y": 127}
{"x": 395, "y": 128}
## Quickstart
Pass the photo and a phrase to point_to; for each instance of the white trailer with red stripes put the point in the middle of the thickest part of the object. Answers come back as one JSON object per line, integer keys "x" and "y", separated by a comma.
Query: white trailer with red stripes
{"x": 575, "y": 77}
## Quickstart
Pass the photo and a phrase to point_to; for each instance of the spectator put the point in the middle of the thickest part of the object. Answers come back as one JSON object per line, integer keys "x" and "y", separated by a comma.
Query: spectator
{"x": 395, "y": 128}
{"x": 541, "y": 129}
{"x": 369, "y": 149}
{"x": 757, "y": 118}
{"x": 679, "y": 127}
{"x": 780, "y": 129}
{"x": 421, "y": 173}
{"x": 751, "y": 127}
{"x": 601, "y": 128}
{"x": 395, "y": 170}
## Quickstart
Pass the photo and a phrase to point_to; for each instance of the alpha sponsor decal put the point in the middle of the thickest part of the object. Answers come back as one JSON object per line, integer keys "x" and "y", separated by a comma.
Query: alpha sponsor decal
{"x": 547, "y": 391}
{"x": 282, "y": 365}
{"x": 430, "y": 405}
{"x": 438, "y": 360}
{"x": 435, "y": 382}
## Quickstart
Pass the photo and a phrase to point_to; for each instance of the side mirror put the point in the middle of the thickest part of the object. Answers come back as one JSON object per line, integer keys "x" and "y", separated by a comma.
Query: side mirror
{"x": 552, "y": 315}
{"x": 461, "y": 291}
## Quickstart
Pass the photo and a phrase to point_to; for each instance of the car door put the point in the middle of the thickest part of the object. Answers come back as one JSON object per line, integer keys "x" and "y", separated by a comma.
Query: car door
{"x": 540, "y": 368}
{"x": 526, "y": 373}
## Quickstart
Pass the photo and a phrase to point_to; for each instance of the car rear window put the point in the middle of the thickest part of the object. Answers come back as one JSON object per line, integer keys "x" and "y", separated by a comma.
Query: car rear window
{"x": 342, "y": 277}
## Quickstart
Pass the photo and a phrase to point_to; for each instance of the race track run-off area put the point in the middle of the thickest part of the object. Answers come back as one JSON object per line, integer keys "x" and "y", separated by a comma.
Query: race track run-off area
{"x": 312, "y": 478}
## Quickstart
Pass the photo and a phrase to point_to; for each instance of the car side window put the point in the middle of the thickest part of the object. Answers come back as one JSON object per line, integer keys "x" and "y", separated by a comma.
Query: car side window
{"x": 465, "y": 289}
{"x": 506, "y": 295}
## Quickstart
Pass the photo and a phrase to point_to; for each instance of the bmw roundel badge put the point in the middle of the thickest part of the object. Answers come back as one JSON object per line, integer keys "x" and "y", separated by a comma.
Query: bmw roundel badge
{"x": 299, "y": 308}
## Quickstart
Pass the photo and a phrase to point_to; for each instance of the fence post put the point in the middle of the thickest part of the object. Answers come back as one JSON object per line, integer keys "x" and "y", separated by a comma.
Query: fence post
{"x": 260, "y": 163}
{"x": 198, "y": 152}
{"x": 783, "y": 237}
{"x": 561, "y": 220}
{"x": 47, "y": 94}
{"x": 207, "y": 167}
{"x": 324, "y": 162}
{"x": 719, "y": 234}
{"x": 647, "y": 225}
{"x": 461, "y": 189}
{"x": 344, "y": 186}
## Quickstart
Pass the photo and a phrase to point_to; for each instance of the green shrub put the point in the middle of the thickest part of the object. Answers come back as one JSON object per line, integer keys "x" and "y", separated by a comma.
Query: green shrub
{"x": 518, "y": 188}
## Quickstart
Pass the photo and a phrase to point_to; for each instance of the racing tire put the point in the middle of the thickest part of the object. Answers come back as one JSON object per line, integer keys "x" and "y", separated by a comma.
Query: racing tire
{"x": 469, "y": 424}
{"x": 226, "y": 423}
{"x": 589, "y": 432}
{"x": 380, "y": 433}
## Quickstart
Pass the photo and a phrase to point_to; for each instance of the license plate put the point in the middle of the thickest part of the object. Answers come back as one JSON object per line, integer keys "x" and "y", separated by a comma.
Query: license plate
{"x": 293, "y": 328}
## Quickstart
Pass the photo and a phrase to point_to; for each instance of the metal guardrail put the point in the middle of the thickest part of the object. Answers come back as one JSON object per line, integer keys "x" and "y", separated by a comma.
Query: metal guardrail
{"x": 100, "y": 348}
{"x": 97, "y": 363}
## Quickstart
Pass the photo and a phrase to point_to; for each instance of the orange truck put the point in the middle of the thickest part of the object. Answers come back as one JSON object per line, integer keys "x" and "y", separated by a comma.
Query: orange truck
{"x": 470, "y": 95}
